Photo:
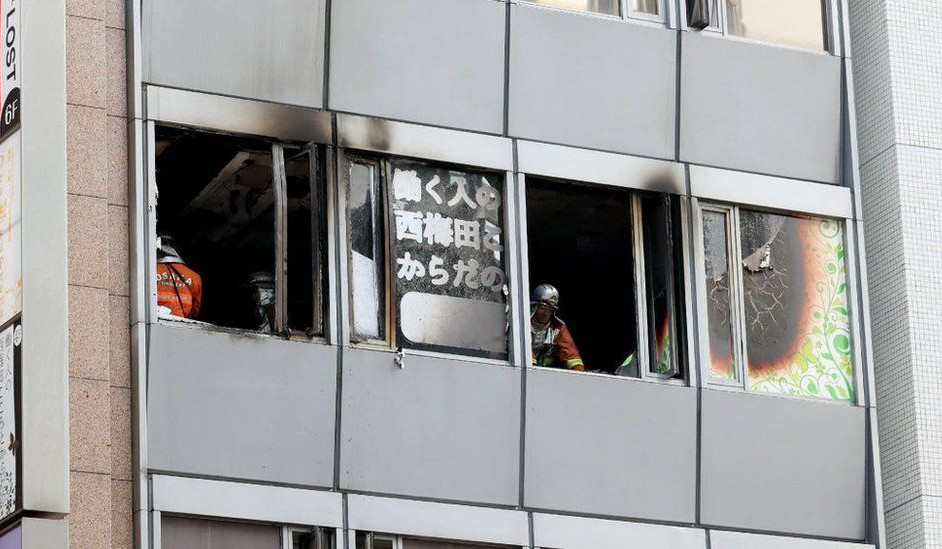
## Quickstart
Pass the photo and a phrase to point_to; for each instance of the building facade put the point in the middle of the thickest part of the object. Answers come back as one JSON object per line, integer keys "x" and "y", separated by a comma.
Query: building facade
{"x": 897, "y": 58}
{"x": 273, "y": 288}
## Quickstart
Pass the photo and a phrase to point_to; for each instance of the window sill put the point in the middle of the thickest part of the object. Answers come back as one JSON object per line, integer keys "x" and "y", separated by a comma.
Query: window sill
{"x": 178, "y": 322}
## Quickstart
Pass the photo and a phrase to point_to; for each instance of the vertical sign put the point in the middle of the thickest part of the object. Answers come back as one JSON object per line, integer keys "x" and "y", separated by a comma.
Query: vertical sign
{"x": 11, "y": 281}
{"x": 11, "y": 339}
{"x": 9, "y": 52}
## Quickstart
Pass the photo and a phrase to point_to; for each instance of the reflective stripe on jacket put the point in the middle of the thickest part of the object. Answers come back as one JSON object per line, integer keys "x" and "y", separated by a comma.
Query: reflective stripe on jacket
{"x": 558, "y": 349}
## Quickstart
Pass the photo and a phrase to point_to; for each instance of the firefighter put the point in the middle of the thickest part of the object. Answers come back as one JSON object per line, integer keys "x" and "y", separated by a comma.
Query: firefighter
{"x": 262, "y": 285}
{"x": 553, "y": 345}
{"x": 179, "y": 288}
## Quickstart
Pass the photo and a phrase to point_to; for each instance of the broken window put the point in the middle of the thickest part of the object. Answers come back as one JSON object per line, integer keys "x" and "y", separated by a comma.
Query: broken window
{"x": 611, "y": 256}
{"x": 367, "y": 249}
{"x": 717, "y": 273}
{"x": 427, "y": 256}
{"x": 240, "y": 233}
{"x": 791, "y": 291}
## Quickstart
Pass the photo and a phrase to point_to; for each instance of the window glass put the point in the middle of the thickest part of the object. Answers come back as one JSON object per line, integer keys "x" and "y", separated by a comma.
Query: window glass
{"x": 320, "y": 538}
{"x": 414, "y": 543}
{"x": 659, "y": 276}
{"x": 610, "y": 7}
{"x": 302, "y": 241}
{"x": 717, "y": 271}
{"x": 187, "y": 533}
{"x": 580, "y": 242}
{"x": 795, "y": 300}
{"x": 367, "y": 254}
{"x": 216, "y": 227}
{"x": 448, "y": 247}
{"x": 645, "y": 6}
{"x": 793, "y": 22}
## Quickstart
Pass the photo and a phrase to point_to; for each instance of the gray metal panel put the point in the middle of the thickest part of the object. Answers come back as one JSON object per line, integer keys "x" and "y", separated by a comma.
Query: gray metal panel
{"x": 720, "y": 539}
{"x": 749, "y": 189}
{"x": 262, "y": 50}
{"x": 437, "y": 520}
{"x": 426, "y": 142}
{"x": 239, "y": 406}
{"x": 609, "y": 446}
{"x": 760, "y": 108}
{"x": 600, "y": 167}
{"x": 45, "y": 256}
{"x": 229, "y": 114}
{"x": 40, "y": 533}
{"x": 592, "y": 82}
{"x": 587, "y": 533}
{"x": 443, "y": 429}
{"x": 426, "y": 61}
{"x": 783, "y": 465}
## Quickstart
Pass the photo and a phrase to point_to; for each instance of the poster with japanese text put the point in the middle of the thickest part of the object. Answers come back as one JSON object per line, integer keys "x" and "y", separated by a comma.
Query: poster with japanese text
{"x": 448, "y": 254}
{"x": 10, "y": 346}
{"x": 10, "y": 78}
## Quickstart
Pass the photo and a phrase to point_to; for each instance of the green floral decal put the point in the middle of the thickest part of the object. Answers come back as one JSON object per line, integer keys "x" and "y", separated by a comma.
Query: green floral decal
{"x": 662, "y": 362}
{"x": 809, "y": 331}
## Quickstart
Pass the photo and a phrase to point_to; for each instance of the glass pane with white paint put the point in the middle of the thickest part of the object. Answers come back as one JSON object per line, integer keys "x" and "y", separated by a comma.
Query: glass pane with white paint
{"x": 447, "y": 246}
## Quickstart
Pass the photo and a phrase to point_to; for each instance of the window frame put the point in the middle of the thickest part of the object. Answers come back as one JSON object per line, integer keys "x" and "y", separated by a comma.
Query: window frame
{"x": 680, "y": 332}
{"x": 383, "y": 160}
{"x": 829, "y": 11}
{"x": 319, "y": 180}
{"x": 740, "y": 343}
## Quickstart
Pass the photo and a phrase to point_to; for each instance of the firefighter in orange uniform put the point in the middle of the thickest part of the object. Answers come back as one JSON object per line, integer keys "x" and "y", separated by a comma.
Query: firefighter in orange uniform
{"x": 553, "y": 345}
{"x": 179, "y": 288}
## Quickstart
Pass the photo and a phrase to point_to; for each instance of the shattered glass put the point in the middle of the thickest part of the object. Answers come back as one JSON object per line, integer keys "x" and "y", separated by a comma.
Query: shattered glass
{"x": 719, "y": 300}
{"x": 795, "y": 300}
{"x": 366, "y": 257}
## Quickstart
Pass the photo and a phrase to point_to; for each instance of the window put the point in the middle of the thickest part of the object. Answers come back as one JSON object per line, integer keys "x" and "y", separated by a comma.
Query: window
{"x": 777, "y": 318}
{"x": 798, "y": 23}
{"x": 240, "y": 233}
{"x": 196, "y": 533}
{"x": 612, "y": 255}
{"x": 609, "y": 7}
{"x": 316, "y": 538}
{"x": 369, "y": 540}
{"x": 634, "y": 8}
{"x": 189, "y": 533}
{"x": 426, "y": 256}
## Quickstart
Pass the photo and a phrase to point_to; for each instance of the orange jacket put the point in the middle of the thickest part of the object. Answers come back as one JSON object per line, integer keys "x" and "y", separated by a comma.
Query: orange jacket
{"x": 558, "y": 349}
{"x": 179, "y": 289}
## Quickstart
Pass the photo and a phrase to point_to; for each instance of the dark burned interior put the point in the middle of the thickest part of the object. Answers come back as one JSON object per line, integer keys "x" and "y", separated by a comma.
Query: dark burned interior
{"x": 580, "y": 240}
{"x": 216, "y": 199}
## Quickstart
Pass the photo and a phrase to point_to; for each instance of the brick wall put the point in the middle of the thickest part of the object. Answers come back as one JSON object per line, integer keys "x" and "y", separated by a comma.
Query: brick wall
{"x": 99, "y": 359}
